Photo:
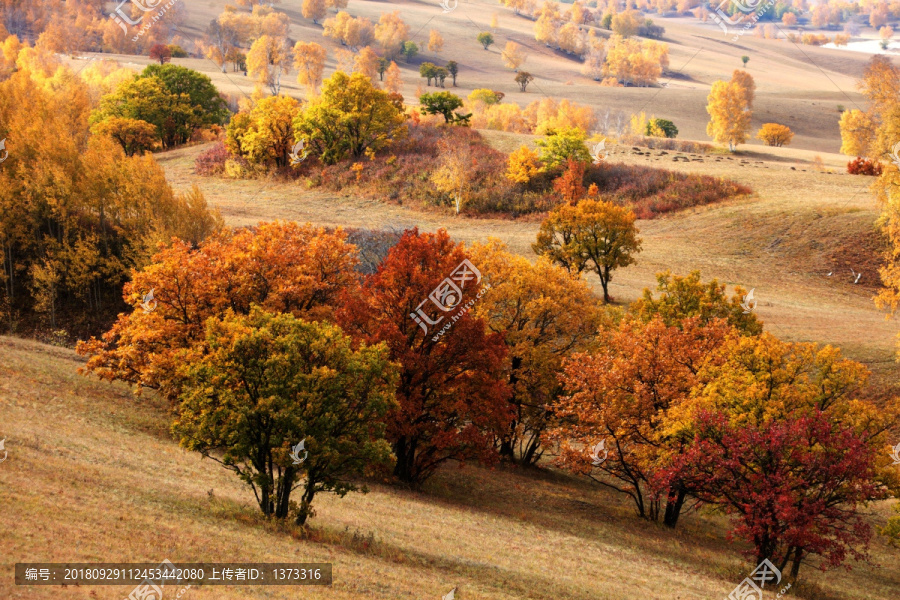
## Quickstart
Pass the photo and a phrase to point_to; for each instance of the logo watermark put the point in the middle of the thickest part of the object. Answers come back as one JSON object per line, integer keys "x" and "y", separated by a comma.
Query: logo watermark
{"x": 451, "y": 595}
{"x": 149, "y": 304}
{"x": 746, "y": 9}
{"x": 599, "y": 152}
{"x": 596, "y": 459}
{"x": 295, "y": 452}
{"x": 296, "y": 156}
{"x": 3, "y": 449}
{"x": 895, "y": 154}
{"x": 150, "y": 590}
{"x": 449, "y": 5}
{"x": 752, "y": 587}
{"x": 856, "y": 275}
{"x": 448, "y": 295}
{"x": 895, "y": 454}
{"x": 123, "y": 19}
{"x": 3, "y": 149}
{"x": 749, "y": 303}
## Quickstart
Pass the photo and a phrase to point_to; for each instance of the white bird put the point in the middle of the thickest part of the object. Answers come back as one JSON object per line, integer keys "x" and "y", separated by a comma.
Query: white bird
{"x": 451, "y": 595}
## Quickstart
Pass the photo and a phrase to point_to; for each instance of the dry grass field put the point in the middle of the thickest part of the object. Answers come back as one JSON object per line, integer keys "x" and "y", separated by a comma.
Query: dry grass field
{"x": 93, "y": 474}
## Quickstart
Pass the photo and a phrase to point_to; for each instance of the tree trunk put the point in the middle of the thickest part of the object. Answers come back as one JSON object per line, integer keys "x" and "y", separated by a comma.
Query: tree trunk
{"x": 795, "y": 565}
{"x": 674, "y": 503}
{"x": 404, "y": 470}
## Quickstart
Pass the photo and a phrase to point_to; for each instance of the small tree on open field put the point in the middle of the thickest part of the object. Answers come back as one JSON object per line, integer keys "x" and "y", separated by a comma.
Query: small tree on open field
{"x": 271, "y": 381}
{"x": 443, "y": 103}
{"x": 773, "y": 134}
{"x": 729, "y": 114}
{"x": 523, "y": 78}
{"x": 485, "y": 38}
{"x": 594, "y": 234}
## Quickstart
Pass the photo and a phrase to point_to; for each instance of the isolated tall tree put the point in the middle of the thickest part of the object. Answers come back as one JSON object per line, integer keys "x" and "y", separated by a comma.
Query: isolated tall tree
{"x": 486, "y": 39}
{"x": 745, "y": 80}
{"x": 729, "y": 114}
{"x": 523, "y": 78}
{"x": 452, "y": 396}
{"x": 268, "y": 59}
{"x": 366, "y": 62}
{"x": 513, "y": 56}
{"x": 160, "y": 53}
{"x": 309, "y": 60}
{"x": 314, "y": 9}
{"x": 435, "y": 41}
{"x": 594, "y": 234}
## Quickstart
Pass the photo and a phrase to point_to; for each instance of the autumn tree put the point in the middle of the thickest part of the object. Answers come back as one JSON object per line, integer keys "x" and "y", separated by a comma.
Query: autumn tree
{"x": 570, "y": 185}
{"x": 787, "y": 447}
{"x": 523, "y": 165}
{"x": 270, "y": 381}
{"x": 282, "y": 267}
{"x": 268, "y": 59}
{"x": 523, "y": 78}
{"x": 161, "y": 53}
{"x": 133, "y": 135}
{"x": 353, "y": 32}
{"x": 314, "y": 9}
{"x": 558, "y": 146}
{"x": 349, "y": 117}
{"x": 595, "y": 234}
{"x": 309, "y": 60}
{"x": 265, "y": 135}
{"x": 635, "y": 62}
{"x": 625, "y": 24}
{"x": 454, "y": 173}
{"x": 391, "y": 31}
{"x": 745, "y": 80}
{"x": 544, "y": 314}
{"x": 393, "y": 83}
{"x": 409, "y": 50}
{"x": 773, "y": 134}
{"x": 857, "y": 132}
{"x": 366, "y": 63}
{"x": 513, "y": 56}
{"x": 729, "y": 114}
{"x": 623, "y": 396}
{"x": 687, "y": 297}
{"x": 435, "y": 41}
{"x": 147, "y": 99}
{"x": 444, "y": 104}
{"x": 452, "y": 395}
{"x": 486, "y": 39}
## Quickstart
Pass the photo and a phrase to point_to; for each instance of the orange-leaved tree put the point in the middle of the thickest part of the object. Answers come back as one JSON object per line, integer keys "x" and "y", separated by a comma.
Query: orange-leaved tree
{"x": 544, "y": 314}
{"x": 282, "y": 267}
{"x": 452, "y": 395}
{"x": 619, "y": 402}
{"x": 594, "y": 234}
{"x": 774, "y": 134}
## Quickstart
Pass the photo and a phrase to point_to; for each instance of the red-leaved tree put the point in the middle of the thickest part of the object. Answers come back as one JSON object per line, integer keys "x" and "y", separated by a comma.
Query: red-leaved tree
{"x": 794, "y": 487}
{"x": 452, "y": 393}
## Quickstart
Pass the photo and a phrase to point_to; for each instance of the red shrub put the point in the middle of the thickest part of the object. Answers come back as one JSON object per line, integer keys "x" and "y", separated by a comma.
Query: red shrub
{"x": 864, "y": 166}
{"x": 212, "y": 162}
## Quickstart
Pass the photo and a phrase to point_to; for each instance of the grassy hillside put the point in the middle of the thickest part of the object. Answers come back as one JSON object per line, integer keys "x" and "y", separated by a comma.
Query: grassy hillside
{"x": 92, "y": 475}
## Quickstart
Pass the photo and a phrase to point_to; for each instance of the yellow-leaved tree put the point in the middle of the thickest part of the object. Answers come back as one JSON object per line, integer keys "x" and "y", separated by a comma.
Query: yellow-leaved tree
{"x": 729, "y": 115}
{"x": 309, "y": 60}
{"x": 523, "y": 164}
{"x": 269, "y": 58}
